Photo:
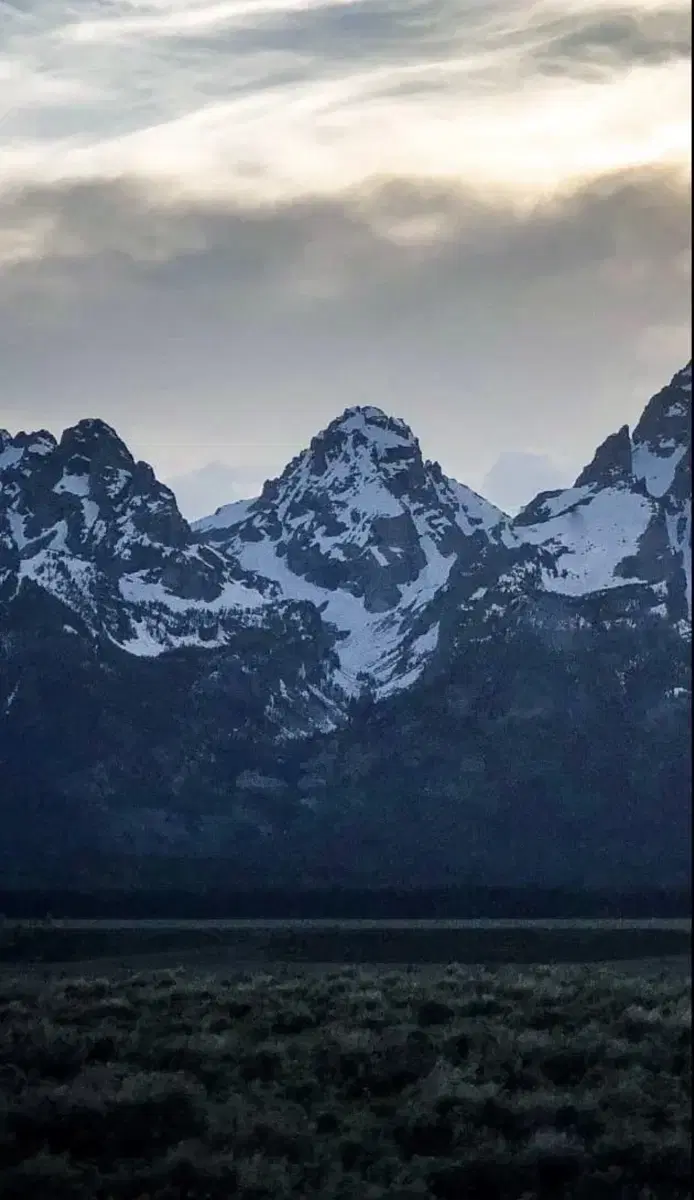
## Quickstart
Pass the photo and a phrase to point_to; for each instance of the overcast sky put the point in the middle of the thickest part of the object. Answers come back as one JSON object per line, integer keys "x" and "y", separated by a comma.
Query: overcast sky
{"x": 224, "y": 221}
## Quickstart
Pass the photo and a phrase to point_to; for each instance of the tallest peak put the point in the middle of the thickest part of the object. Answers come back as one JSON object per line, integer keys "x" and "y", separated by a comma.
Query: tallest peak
{"x": 362, "y": 445}
{"x": 373, "y": 424}
{"x": 364, "y": 435}
{"x": 365, "y": 412}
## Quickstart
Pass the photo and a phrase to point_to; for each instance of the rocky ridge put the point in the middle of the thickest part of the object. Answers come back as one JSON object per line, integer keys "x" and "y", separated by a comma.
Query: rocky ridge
{"x": 367, "y": 672}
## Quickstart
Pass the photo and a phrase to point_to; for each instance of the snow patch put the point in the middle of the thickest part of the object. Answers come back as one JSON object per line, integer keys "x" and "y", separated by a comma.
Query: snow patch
{"x": 9, "y": 457}
{"x": 226, "y": 517}
{"x": 370, "y": 645}
{"x": 382, "y": 432}
{"x": 657, "y": 470}
{"x": 138, "y": 589}
{"x": 590, "y": 540}
{"x": 17, "y": 522}
{"x": 76, "y": 485}
{"x": 90, "y": 511}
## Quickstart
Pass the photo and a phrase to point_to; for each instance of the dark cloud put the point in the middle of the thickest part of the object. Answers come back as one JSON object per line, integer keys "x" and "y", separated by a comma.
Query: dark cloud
{"x": 587, "y": 43}
{"x": 391, "y": 31}
{"x": 134, "y": 233}
{"x": 378, "y": 31}
{"x": 208, "y": 331}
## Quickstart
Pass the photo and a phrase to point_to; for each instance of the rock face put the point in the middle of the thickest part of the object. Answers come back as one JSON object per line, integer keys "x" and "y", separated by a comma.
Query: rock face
{"x": 368, "y": 673}
{"x": 620, "y": 539}
{"x": 97, "y": 531}
{"x": 364, "y": 528}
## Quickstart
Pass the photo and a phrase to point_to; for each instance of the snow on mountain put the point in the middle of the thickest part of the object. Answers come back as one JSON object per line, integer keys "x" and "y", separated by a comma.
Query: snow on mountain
{"x": 626, "y": 523}
{"x": 662, "y": 437}
{"x": 588, "y": 531}
{"x": 92, "y": 544}
{"x": 97, "y": 531}
{"x": 162, "y": 687}
{"x": 360, "y": 543}
{"x": 384, "y": 544}
{"x": 663, "y": 460}
{"x": 360, "y": 525}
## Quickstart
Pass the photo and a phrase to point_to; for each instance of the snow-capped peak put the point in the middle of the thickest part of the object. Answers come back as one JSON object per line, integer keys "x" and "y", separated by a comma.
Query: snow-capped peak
{"x": 85, "y": 523}
{"x": 355, "y": 449}
{"x": 382, "y": 431}
{"x": 380, "y": 548}
{"x": 625, "y": 526}
{"x": 362, "y": 526}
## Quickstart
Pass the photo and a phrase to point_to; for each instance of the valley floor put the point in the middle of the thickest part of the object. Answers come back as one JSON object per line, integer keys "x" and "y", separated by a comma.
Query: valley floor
{"x": 359, "y": 1083}
{"x": 346, "y": 1083}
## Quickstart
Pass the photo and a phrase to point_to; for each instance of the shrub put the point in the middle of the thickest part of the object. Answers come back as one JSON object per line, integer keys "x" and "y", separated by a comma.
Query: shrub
{"x": 351, "y": 1085}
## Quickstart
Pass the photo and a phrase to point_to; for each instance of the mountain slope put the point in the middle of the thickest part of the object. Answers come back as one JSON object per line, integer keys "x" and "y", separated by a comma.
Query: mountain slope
{"x": 525, "y": 760}
{"x": 95, "y": 529}
{"x": 396, "y": 556}
{"x": 367, "y": 674}
{"x": 364, "y": 528}
{"x": 94, "y": 547}
{"x": 619, "y": 541}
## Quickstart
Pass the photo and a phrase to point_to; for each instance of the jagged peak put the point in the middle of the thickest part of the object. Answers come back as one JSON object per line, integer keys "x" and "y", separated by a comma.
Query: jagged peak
{"x": 363, "y": 412}
{"x": 24, "y": 438}
{"x": 362, "y": 441}
{"x": 361, "y": 416}
{"x": 369, "y": 426}
{"x": 668, "y": 414}
{"x": 13, "y": 447}
{"x": 92, "y": 434}
{"x": 612, "y": 462}
{"x": 662, "y": 438}
{"x": 95, "y": 427}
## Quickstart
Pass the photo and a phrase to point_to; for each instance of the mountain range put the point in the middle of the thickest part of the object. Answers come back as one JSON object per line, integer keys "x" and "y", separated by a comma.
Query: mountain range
{"x": 367, "y": 674}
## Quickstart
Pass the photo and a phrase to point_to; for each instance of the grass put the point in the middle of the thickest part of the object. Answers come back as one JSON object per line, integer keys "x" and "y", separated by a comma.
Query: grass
{"x": 349, "y": 1084}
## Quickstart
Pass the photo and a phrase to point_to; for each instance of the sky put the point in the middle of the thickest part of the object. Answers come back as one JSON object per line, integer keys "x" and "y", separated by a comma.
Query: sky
{"x": 224, "y": 221}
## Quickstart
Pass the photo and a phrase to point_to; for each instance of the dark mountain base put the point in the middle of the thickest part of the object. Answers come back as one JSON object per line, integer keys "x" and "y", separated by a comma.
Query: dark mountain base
{"x": 210, "y": 902}
{"x": 539, "y": 758}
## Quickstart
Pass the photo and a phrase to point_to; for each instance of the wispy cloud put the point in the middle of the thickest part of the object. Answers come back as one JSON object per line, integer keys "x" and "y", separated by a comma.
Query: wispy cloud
{"x": 413, "y": 202}
{"x": 274, "y": 100}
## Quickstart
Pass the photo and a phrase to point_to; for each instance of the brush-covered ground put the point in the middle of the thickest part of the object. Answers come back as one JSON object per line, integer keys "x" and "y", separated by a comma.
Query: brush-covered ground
{"x": 348, "y": 1084}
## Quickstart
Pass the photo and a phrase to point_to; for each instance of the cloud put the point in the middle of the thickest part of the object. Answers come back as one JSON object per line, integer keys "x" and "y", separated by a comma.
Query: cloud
{"x": 140, "y": 230}
{"x": 202, "y": 491}
{"x": 208, "y": 330}
{"x": 222, "y": 221}
{"x": 596, "y": 44}
{"x": 277, "y": 100}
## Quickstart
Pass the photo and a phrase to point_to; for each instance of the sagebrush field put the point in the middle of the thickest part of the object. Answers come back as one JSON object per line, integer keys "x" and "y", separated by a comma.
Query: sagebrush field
{"x": 353, "y": 1084}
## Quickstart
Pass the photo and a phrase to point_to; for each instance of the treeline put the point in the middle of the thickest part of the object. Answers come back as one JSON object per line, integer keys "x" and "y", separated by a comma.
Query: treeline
{"x": 349, "y": 904}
